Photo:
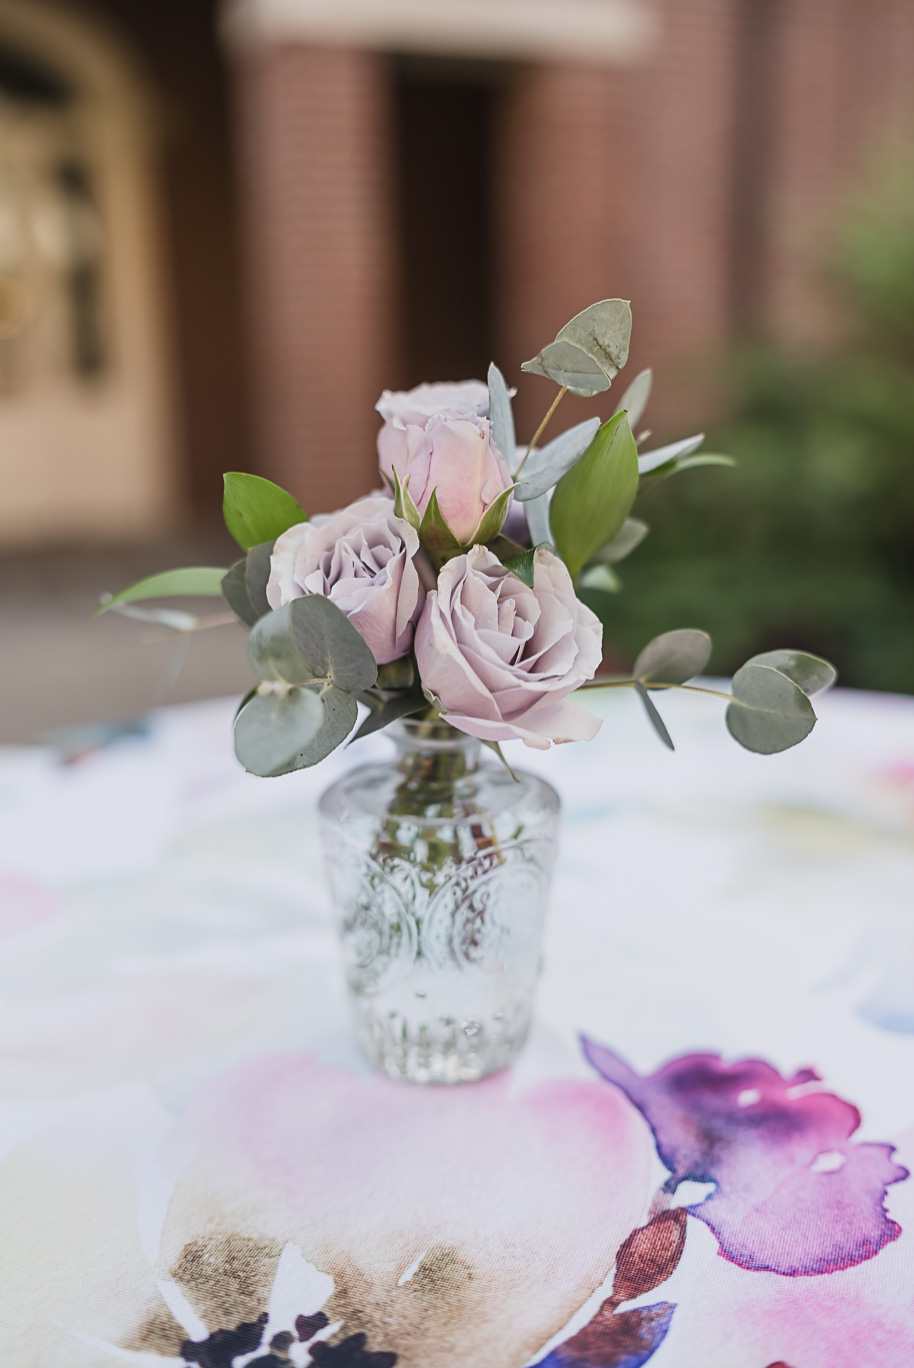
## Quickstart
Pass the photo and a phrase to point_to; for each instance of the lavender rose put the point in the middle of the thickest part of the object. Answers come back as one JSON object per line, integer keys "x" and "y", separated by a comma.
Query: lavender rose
{"x": 501, "y": 658}
{"x": 438, "y": 436}
{"x": 362, "y": 559}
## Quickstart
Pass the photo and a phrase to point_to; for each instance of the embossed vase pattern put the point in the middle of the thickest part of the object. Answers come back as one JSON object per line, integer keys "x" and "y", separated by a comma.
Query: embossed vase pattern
{"x": 439, "y": 865}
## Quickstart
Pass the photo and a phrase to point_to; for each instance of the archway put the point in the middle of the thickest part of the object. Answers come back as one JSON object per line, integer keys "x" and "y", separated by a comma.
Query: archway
{"x": 86, "y": 442}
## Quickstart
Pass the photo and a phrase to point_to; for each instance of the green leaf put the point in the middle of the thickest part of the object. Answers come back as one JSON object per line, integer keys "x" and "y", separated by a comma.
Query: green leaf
{"x": 235, "y": 590}
{"x": 329, "y": 644}
{"x": 810, "y": 673}
{"x": 673, "y": 657}
{"x": 704, "y": 458}
{"x": 196, "y": 581}
{"x": 630, "y": 535}
{"x": 493, "y": 520}
{"x": 592, "y": 501}
{"x": 273, "y": 728}
{"x": 652, "y": 460}
{"x": 568, "y": 365}
{"x": 340, "y": 713}
{"x": 257, "y": 576}
{"x": 396, "y": 674}
{"x": 272, "y": 653}
{"x": 256, "y": 510}
{"x": 504, "y": 548}
{"x": 434, "y": 533}
{"x": 769, "y": 712}
{"x": 656, "y": 720}
{"x": 403, "y": 502}
{"x": 402, "y": 705}
{"x": 603, "y": 578}
{"x": 523, "y": 566}
{"x": 634, "y": 400}
{"x": 501, "y": 416}
{"x": 547, "y": 465}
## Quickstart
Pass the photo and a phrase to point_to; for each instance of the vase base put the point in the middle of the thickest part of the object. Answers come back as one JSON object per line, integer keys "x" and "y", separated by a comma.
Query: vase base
{"x": 446, "y": 1051}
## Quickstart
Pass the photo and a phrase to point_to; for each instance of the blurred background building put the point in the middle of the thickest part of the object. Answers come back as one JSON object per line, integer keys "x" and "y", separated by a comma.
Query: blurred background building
{"x": 224, "y": 228}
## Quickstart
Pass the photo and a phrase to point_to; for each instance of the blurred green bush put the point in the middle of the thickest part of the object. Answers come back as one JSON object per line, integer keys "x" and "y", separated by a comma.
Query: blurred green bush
{"x": 810, "y": 542}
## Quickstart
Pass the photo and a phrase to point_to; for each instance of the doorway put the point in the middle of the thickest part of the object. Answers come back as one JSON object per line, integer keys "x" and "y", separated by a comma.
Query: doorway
{"x": 445, "y": 119}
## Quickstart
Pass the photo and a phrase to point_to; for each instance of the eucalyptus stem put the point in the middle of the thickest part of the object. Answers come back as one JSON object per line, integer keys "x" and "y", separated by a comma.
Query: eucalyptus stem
{"x": 633, "y": 683}
{"x": 542, "y": 428}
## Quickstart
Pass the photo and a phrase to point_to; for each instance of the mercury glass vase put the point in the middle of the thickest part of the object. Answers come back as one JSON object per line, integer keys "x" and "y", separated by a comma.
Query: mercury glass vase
{"x": 439, "y": 865}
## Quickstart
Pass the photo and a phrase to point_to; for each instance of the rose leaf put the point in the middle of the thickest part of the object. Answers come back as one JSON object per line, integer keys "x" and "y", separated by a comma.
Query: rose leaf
{"x": 195, "y": 581}
{"x": 256, "y": 510}
{"x": 593, "y": 499}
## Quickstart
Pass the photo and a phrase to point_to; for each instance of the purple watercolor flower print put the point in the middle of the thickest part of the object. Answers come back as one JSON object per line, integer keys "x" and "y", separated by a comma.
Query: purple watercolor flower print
{"x": 793, "y": 1194}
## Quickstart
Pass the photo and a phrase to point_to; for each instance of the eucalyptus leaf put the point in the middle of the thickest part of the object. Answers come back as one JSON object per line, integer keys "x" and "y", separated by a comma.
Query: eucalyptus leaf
{"x": 652, "y": 460}
{"x": 257, "y": 577}
{"x": 402, "y": 705}
{"x": 656, "y": 720}
{"x": 523, "y": 566}
{"x": 548, "y": 464}
{"x": 603, "y": 578}
{"x": 603, "y": 331}
{"x": 272, "y": 653}
{"x": 629, "y": 536}
{"x": 235, "y": 591}
{"x": 673, "y": 657}
{"x": 340, "y": 714}
{"x": 810, "y": 673}
{"x": 501, "y": 415}
{"x": 592, "y": 501}
{"x": 634, "y": 400}
{"x": 329, "y": 644}
{"x": 272, "y": 728}
{"x": 493, "y": 520}
{"x": 769, "y": 712}
{"x": 256, "y": 510}
{"x": 195, "y": 581}
{"x": 570, "y": 366}
{"x": 537, "y": 515}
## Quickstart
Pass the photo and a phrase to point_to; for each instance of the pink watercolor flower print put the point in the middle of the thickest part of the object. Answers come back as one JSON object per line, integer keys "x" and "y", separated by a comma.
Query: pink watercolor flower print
{"x": 793, "y": 1193}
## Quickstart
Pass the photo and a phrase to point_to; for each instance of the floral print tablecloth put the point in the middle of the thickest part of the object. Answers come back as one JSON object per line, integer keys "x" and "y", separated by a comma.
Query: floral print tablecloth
{"x": 701, "y": 1160}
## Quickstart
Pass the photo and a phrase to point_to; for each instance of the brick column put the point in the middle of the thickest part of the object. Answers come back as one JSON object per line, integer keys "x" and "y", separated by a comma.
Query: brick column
{"x": 617, "y": 181}
{"x": 314, "y": 151}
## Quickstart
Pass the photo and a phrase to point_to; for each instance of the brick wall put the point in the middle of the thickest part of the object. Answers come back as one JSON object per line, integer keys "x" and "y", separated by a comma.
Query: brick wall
{"x": 314, "y": 159}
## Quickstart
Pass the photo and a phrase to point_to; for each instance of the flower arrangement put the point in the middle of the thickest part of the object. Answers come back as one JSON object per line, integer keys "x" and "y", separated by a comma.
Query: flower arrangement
{"x": 450, "y": 594}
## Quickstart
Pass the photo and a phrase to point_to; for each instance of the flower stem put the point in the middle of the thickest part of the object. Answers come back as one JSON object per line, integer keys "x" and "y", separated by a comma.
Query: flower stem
{"x": 631, "y": 684}
{"x": 542, "y": 428}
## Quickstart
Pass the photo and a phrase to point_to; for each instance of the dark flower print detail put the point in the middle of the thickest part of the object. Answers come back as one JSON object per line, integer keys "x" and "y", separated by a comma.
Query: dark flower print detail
{"x": 793, "y": 1194}
{"x": 220, "y": 1349}
{"x": 621, "y": 1339}
{"x": 350, "y": 1353}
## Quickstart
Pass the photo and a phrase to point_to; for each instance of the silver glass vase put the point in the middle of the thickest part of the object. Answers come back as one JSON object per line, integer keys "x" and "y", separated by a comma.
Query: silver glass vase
{"x": 439, "y": 866}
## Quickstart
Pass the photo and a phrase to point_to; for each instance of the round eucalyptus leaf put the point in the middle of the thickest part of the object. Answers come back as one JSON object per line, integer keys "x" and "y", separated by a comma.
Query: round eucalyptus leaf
{"x": 673, "y": 657}
{"x": 272, "y": 653}
{"x": 810, "y": 673}
{"x": 235, "y": 591}
{"x": 257, "y": 575}
{"x": 603, "y": 331}
{"x": 272, "y": 728}
{"x": 629, "y": 536}
{"x": 329, "y": 644}
{"x": 547, "y": 465}
{"x": 340, "y": 713}
{"x": 769, "y": 712}
{"x": 570, "y": 366}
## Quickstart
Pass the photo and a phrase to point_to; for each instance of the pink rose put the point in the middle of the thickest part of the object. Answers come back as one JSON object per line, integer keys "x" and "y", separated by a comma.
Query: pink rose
{"x": 437, "y": 436}
{"x": 362, "y": 559}
{"x": 501, "y": 658}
